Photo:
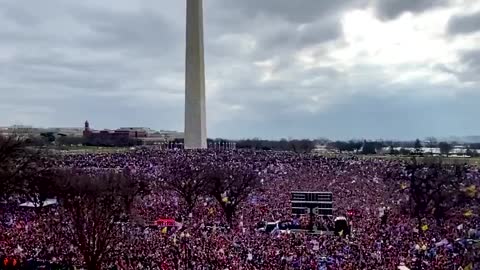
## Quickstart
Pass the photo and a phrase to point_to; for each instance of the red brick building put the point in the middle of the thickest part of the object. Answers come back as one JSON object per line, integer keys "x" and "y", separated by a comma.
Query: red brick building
{"x": 118, "y": 137}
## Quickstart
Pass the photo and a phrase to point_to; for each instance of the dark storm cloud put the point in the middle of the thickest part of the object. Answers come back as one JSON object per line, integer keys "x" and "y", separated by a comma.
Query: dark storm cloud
{"x": 391, "y": 9}
{"x": 464, "y": 24}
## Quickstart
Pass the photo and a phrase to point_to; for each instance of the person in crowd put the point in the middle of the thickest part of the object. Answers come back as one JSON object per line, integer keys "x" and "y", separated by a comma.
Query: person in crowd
{"x": 204, "y": 243}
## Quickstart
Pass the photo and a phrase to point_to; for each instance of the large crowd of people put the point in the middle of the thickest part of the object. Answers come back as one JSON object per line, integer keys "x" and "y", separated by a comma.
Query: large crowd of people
{"x": 383, "y": 234}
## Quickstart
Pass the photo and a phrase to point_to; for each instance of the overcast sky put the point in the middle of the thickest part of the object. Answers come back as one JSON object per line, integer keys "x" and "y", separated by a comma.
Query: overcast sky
{"x": 275, "y": 68}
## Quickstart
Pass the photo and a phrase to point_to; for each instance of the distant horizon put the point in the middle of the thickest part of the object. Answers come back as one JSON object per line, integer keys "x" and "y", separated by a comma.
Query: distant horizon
{"x": 473, "y": 138}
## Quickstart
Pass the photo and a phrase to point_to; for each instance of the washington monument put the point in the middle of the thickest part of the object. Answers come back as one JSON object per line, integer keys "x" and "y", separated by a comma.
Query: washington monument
{"x": 195, "y": 115}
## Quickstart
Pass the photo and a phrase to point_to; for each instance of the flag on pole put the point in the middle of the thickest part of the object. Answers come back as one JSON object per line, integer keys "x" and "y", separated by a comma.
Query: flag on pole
{"x": 468, "y": 213}
{"x": 471, "y": 191}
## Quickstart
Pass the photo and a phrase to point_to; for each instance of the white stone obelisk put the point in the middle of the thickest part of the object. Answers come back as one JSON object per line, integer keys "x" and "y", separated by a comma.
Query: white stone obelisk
{"x": 195, "y": 115}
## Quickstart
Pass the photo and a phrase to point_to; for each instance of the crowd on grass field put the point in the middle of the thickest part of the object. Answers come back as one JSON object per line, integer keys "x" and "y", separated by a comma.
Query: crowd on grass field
{"x": 384, "y": 235}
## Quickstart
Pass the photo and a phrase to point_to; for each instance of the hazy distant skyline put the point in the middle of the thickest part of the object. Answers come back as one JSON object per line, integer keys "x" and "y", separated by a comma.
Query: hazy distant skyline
{"x": 397, "y": 69}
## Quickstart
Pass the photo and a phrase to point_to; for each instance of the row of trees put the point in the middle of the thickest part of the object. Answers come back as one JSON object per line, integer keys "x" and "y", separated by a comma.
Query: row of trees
{"x": 444, "y": 147}
{"x": 90, "y": 208}
{"x": 90, "y": 204}
{"x": 413, "y": 148}
{"x": 229, "y": 184}
{"x": 435, "y": 188}
{"x": 21, "y": 168}
{"x": 363, "y": 147}
{"x": 50, "y": 138}
{"x": 111, "y": 141}
{"x": 297, "y": 146}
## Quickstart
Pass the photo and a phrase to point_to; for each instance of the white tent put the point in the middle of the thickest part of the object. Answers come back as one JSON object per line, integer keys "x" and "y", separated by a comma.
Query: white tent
{"x": 47, "y": 202}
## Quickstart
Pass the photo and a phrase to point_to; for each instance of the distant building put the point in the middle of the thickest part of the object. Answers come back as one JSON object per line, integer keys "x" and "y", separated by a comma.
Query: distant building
{"x": 121, "y": 132}
{"x": 162, "y": 137}
{"x": 123, "y": 136}
{"x": 118, "y": 137}
{"x": 128, "y": 136}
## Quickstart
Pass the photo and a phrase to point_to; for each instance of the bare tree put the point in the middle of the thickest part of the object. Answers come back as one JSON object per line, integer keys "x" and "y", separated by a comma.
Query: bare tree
{"x": 89, "y": 209}
{"x": 435, "y": 187}
{"x": 418, "y": 147}
{"x": 231, "y": 185}
{"x": 132, "y": 186}
{"x": 186, "y": 177}
{"x": 302, "y": 146}
{"x": 431, "y": 143}
{"x": 445, "y": 148}
{"x": 17, "y": 163}
{"x": 38, "y": 185}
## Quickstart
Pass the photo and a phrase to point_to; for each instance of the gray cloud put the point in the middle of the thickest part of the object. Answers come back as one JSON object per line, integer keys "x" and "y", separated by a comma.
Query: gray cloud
{"x": 136, "y": 34}
{"x": 304, "y": 11}
{"x": 471, "y": 60}
{"x": 391, "y": 9}
{"x": 464, "y": 24}
{"x": 468, "y": 71}
{"x": 372, "y": 117}
{"x": 121, "y": 62}
{"x": 297, "y": 36}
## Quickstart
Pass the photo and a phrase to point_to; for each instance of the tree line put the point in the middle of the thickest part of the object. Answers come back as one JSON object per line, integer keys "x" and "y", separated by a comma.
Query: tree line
{"x": 434, "y": 189}
{"x": 297, "y": 146}
{"x": 400, "y": 148}
{"x": 366, "y": 147}
{"x": 91, "y": 205}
